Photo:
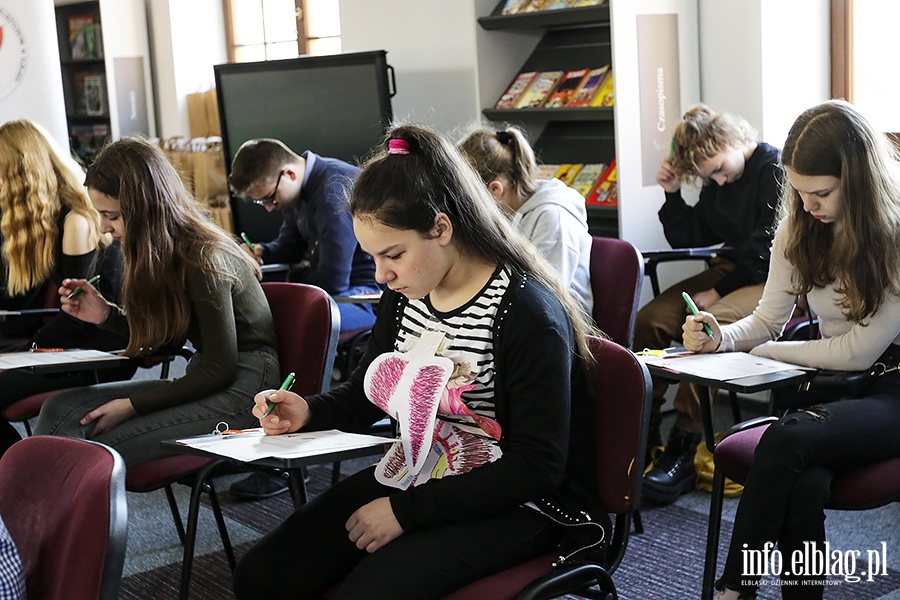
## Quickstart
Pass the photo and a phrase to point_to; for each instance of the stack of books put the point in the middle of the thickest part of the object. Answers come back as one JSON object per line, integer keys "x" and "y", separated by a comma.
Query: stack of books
{"x": 595, "y": 181}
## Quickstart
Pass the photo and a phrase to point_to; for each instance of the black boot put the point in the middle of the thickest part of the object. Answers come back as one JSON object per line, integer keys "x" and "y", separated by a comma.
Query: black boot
{"x": 674, "y": 473}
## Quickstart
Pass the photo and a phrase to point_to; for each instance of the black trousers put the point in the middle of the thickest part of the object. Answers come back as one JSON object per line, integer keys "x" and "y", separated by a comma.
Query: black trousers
{"x": 789, "y": 484}
{"x": 310, "y": 552}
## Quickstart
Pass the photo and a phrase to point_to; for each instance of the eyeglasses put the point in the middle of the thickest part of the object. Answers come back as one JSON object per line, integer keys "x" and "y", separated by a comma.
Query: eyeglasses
{"x": 270, "y": 199}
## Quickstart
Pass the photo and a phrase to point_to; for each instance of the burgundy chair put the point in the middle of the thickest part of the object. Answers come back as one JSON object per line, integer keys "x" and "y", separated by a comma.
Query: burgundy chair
{"x": 617, "y": 273}
{"x": 856, "y": 489}
{"x": 621, "y": 409}
{"x": 307, "y": 323}
{"x": 63, "y": 501}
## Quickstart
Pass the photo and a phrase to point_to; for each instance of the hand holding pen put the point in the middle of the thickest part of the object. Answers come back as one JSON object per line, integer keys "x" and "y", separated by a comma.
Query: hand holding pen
{"x": 80, "y": 299}
{"x": 700, "y": 329}
{"x": 254, "y": 249}
{"x": 281, "y": 411}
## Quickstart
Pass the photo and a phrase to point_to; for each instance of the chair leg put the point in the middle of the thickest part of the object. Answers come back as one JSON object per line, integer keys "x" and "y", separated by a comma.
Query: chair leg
{"x": 712, "y": 535}
{"x": 176, "y": 516}
{"x": 335, "y": 472}
{"x": 27, "y": 427}
{"x": 220, "y": 523}
{"x": 187, "y": 562}
{"x": 638, "y": 523}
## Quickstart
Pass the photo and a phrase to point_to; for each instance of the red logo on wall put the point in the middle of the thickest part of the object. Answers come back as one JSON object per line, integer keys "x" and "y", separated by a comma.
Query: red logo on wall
{"x": 12, "y": 55}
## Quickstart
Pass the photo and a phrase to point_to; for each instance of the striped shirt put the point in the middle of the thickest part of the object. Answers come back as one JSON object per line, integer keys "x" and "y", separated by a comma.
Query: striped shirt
{"x": 468, "y": 342}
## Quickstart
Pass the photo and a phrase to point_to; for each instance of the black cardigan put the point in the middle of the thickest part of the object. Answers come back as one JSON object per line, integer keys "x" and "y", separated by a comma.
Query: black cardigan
{"x": 541, "y": 404}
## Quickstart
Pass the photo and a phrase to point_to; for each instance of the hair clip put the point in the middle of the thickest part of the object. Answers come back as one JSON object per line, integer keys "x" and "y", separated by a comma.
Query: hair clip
{"x": 504, "y": 137}
{"x": 398, "y": 146}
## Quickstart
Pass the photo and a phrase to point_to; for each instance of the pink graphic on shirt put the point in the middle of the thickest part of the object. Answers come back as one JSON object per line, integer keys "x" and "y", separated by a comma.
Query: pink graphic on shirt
{"x": 452, "y": 404}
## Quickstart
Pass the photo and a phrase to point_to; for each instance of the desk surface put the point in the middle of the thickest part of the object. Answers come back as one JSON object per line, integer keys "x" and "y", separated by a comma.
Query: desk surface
{"x": 677, "y": 253}
{"x": 27, "y": 312}
{"x": 743, "y": 385}
{"x": 59, "y": 362}
{"x": 367, "y": 298}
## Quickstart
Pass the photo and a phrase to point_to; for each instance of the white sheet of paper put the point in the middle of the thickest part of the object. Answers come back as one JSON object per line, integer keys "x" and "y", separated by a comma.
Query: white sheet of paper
{"x": 724, "y": 366}
{"x": 17, "y": 360}
{"x": 253, "y": 444}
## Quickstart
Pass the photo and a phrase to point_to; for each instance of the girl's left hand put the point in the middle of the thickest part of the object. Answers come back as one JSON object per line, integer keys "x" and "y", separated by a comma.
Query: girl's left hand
{"x": 109, "y": 415}
{"x": 373, "y": 525}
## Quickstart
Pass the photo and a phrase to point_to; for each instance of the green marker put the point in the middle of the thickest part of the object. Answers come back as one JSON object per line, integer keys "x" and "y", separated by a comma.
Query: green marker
{"x": 693, "y": 308}
{"x": 248, "y": 242}
{"x": 93, "y": 281}
{"x": 288, "y": 382}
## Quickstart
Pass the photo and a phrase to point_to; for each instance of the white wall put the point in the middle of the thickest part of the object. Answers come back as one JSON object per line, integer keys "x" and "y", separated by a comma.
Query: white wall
{"x": 766, "y": 60}
{"x": 188, "y": 39}
{"x": 30, "y": 75}
{"x": 431, "y": 45}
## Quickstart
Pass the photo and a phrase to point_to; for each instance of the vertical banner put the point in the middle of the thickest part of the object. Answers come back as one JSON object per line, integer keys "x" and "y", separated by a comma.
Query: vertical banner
{"x": 660, "y": 88}
{"x": 30, "y": 75}
{"x": 131, "y": 95}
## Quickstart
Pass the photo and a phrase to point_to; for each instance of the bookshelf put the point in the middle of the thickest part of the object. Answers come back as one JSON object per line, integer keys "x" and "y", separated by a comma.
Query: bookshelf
{"x": 617, "y": 34}
{"x": 105, "y": 72}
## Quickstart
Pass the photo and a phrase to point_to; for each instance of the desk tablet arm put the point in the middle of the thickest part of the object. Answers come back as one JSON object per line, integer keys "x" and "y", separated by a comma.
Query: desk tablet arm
{"x": 653, "y": 257}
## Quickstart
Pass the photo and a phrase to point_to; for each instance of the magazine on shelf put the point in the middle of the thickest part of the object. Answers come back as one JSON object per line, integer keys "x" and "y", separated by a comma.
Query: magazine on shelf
{"x": 605, "y": 192}
{"x": 540, "y": 89}
{"x": 546, "y": 171}
{"x": 511, "y": 96}
{"x": 588, "y": 87}
{"x": 566, "y": 88}
{"x": 567, "y": 172}
{"x": 84, "y": 37}
{"x": 587, "y": 178}
{"x": 94, "y": 97}
{"x": 605, "y": 96}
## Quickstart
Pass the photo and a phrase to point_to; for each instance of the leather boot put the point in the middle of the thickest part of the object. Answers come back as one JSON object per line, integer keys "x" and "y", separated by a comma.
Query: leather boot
{"x": 674, "y": 473}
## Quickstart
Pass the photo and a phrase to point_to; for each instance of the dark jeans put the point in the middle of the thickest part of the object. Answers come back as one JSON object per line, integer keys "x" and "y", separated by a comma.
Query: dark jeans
{"x": 789, "y": 484}
{"x": 310, "y": 552}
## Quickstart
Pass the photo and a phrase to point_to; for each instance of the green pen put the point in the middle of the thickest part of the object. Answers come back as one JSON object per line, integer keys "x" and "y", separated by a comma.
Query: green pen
{"x": 288, "y": 382}
{"x": 248, "y": 242}
{"x": 693, "y": 308}
{"x": 93, "y": 281}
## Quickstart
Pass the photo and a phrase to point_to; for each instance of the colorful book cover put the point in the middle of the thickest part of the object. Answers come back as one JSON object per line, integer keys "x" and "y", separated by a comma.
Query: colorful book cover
{"x": 515, "y": 90}
{"x": 94, "y": 97}
{"x": 511, "y": 7}
{"x": 580, "y": 3}
{"x": 587, "y": 178}
{"x": 546, "y": 171}
{"x": 540, "y": 89}
{"x": 604, "y": 193}
{"x": 84, "y": 33}
{"x": 567, "y": 172}
{"x": 605, "y": 96}
{"x": 584, "y": 93}
{"x": 567, "y": 86}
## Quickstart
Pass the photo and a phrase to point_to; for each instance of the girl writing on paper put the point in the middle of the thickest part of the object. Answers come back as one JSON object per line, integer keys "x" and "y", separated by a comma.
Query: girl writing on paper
{"x": 549, "y": 213}
{"x": 836, "y": 242}
{"x": 475, "y": 351}
{"x": 184, "y": 279}
{"x": 50, "y": 231}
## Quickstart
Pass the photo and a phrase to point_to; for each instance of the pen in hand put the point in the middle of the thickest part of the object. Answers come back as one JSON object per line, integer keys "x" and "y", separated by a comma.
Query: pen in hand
{"x": 248, "y": 242}
{"x": 93, "y": 281}
{"x": 288, "y": 382}
{"x": 693, "y": 308}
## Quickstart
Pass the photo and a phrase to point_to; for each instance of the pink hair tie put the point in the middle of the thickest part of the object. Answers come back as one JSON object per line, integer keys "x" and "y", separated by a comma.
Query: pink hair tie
{"x": 398, "y": 146}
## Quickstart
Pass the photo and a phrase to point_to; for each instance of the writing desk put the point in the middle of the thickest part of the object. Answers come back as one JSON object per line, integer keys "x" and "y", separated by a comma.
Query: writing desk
{"x": 367, "y": 298}
{"x": 282, "y": 269}
{"x": 67, "y": 361}
{"x": 293, "y": 466}
{"x": 6, "y": 315}
{"x": 652, "y": 258}
{"x": 745, "y": 385}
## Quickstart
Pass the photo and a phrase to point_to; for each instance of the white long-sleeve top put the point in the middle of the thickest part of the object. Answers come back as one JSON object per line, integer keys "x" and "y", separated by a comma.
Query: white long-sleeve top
{"x": 844, "y": 345}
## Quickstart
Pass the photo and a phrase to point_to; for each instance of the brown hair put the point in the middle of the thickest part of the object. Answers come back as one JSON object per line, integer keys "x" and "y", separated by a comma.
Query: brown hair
{"x": 701, "y": 134}
{"x": 166, "y": 234}
{"x": 259, "y": 161}
{"x": 39, "y": 182}
{"x": 504, "y": 153}
{"x": 862, "y": 256}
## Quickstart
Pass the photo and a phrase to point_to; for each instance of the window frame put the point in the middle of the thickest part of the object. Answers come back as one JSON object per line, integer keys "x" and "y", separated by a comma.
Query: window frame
{"x": 303, "y": 37}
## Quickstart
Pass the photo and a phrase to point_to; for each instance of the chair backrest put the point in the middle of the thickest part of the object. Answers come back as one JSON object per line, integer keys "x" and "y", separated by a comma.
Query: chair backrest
{"x": 63, "y": 501}
{"x": 307, "y": 323}
{"x": 621, "y": 389}
{"x": 617, "y": 273}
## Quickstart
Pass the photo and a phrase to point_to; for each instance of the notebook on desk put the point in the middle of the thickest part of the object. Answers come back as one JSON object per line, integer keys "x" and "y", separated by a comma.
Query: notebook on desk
{"x": 724, "y": 366}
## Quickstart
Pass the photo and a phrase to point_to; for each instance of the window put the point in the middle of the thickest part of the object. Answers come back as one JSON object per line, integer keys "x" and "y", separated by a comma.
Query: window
{"x": 863, "y": 47}
{"x": 274, "y": 29}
